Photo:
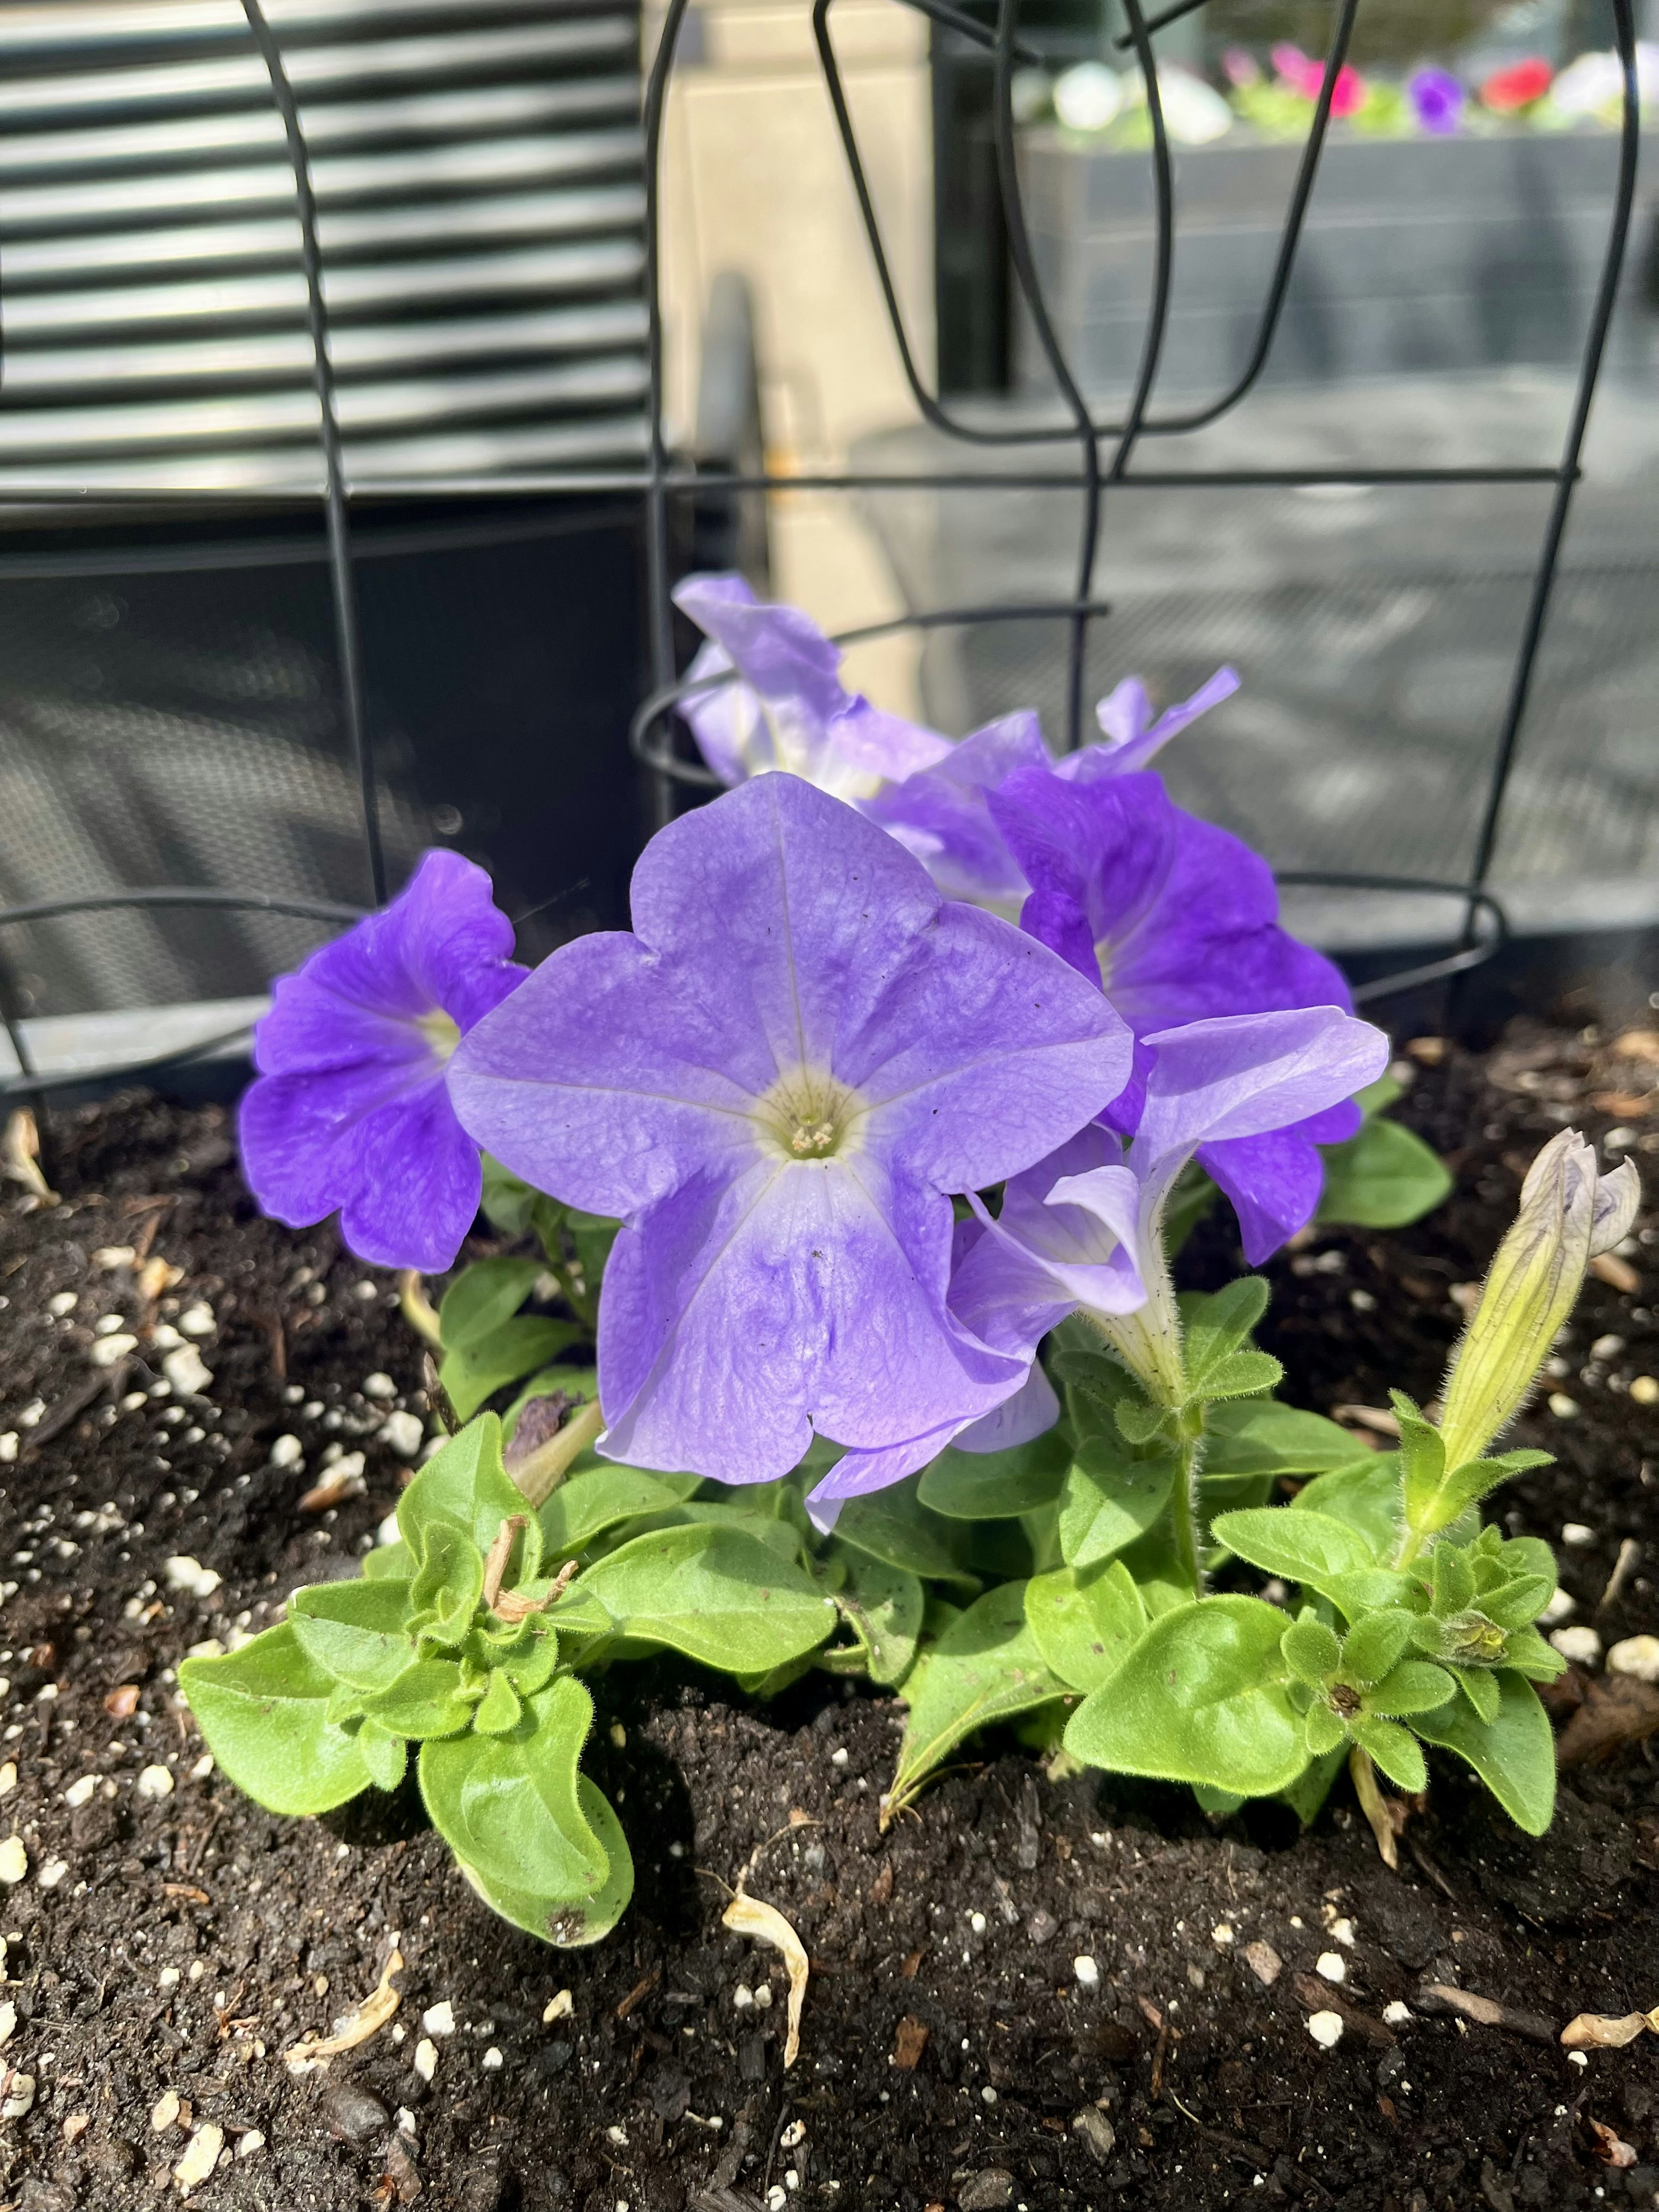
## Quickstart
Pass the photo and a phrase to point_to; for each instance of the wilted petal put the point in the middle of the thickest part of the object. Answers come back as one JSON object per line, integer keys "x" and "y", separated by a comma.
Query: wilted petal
{"x": 1618, "y": 1201}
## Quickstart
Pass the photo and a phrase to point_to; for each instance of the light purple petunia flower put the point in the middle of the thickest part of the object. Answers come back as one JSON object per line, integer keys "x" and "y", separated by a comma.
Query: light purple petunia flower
{"x": 941, "y": 812}
{"x": 777, "y": 1081}
{"x": 1178, "y": 921}
{"x": 1084, "y": 1227}
{"x": 790, "y": 710}
{"x": 350, "y": 1111}
{"x": 1436, "y": 99}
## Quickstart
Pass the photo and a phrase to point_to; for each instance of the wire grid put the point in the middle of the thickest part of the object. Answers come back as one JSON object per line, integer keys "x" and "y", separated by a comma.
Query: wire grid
{"x": 1104, "y": 454}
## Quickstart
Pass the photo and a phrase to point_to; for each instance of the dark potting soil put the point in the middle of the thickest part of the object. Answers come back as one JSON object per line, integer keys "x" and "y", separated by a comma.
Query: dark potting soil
{"x": 1028, "y": 1994}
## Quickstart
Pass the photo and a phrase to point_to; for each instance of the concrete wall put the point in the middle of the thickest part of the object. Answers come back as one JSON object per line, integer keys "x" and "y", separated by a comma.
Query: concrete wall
{"x": 753, "y": 178}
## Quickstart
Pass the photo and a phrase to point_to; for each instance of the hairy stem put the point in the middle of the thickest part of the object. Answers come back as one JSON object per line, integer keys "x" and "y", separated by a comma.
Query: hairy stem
{"x": 546, "y": 1468}
{"x": 418, "y": 1309}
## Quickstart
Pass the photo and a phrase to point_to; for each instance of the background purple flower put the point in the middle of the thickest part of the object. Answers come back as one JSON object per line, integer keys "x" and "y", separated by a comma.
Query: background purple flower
{"x": 777, "y": 1081}
{"x": 791, "y": 709}
{"x": 349, "y": 1110}
{"x": 1437, "y": 99}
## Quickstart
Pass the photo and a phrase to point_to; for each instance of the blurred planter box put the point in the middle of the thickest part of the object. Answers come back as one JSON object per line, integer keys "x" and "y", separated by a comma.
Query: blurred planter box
{"x": 1417, "y": 255}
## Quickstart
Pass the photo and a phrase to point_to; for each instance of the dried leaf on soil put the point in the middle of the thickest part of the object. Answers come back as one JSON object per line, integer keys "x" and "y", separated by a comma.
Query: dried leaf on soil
{"x": 1617, "y": 1709}
{"x": 908, "y": 2044}
{"x": 1608, "y": 2145}
{"x": 1607, "y": 2031}
{"x": 748, "y": 1916}
{"x": 310, "y": 2054}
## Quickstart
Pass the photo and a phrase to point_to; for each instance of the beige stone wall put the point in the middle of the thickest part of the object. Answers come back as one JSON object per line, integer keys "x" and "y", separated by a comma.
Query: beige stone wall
{"x": 753, "y": 178}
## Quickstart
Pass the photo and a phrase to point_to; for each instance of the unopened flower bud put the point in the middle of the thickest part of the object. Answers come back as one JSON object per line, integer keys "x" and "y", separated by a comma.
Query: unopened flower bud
{"x": 1568, "y": 1213}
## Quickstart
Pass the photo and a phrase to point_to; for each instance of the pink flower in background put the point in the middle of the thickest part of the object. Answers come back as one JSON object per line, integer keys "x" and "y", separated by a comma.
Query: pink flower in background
{"x": 1240, "y": 67}
{"x": 1306, "y": 75}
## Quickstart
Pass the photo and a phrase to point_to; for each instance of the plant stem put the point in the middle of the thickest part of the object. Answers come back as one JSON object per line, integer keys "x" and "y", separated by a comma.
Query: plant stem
{"x": 1374, "y": 1806}
{"x": 1181, "y": 1513}
{"x": 547, "y": 1467}
{"x": 418, "y": 1309}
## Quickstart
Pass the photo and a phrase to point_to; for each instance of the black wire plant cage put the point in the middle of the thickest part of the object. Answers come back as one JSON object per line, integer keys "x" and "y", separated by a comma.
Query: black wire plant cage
{"x": 1100, "y": 460}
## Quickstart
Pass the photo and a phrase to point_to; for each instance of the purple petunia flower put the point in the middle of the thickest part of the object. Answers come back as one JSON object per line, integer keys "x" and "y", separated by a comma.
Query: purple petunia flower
{"x": 777, "y": 1081}
{"x": 790, "y": 710}
{"x": 941, "y": 813}
{"x": 350, "y": 1111}
{"x": 1084, "y": 1227}
{"x": 1436, "y": 99}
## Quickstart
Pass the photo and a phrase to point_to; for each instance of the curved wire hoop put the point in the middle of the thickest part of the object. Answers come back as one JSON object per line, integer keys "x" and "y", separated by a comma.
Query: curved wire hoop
{"x": 663, "y": 479}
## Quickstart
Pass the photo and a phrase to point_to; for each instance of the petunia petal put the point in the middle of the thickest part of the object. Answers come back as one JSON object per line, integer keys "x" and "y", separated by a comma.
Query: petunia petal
{"x": 1273, "y": 1182}
{"x": 1133, "y": 736}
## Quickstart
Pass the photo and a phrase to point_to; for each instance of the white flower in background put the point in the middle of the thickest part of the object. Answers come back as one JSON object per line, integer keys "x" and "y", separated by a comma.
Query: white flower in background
{"x": 1088, "y": 96}
{"x": 1594, "y": 84}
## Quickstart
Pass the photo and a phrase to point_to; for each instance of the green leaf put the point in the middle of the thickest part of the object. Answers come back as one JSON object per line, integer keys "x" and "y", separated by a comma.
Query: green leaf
{"x": 1382, "y": 1178}
{"x": 510, "y": 1205}
{"x": 426, "y": 1700}
{"x": 1321, "y": 1731}
{"x": 1201, "y": 1698}
{"x": 895, "y": 1527}
{"x": 466, "y": 1486}
{"x": 574, "y": 1924}
{"x": 1218, "y": 1804}
{"x": 1242, "y": 1375}
{"x": 1139, "y": 1420}
{"x": 1525, "y": 1651}
{"x": 1479, "y": 1688}
{"x": 1517, "y": 1604}
{"x": 716, "y": 1594}
{"x": 996, "y": 1486}
{"x": 499, "y": 1708}
{"x": 1216, "y": 1325}
{"x": 1365, "y": 1494}
{"x": 1375, "y": 1646}
{"x": 1189, "y": 1200}
{"x": 1453, "y": 1580}
{"x": 1394, "y": 1749}
{"x": 592, "y": 1235}
{"x": 884, "y": 1605}
{"x": 508, "y": 1808}
{"x": 785, "y": 1539}
{"x": 1372, "y": 1589}
{"x": 264, "y": 1712}
{"x": 589, "y": 1503}
{"x": 389, "y": 1563}
{"x": 1254, "y": 1435}
{"x": 514, "y": 1348}
{"x": 1306, "y": 1796}
{"x": 1415, "y": 1686}
{"x": 385, "y": 1755}
{"x": 1514, "y": 1754}
{"x": 1109, "y": 1500}
{"x": 483, "y": 1297}
{"x": 1303, "y": 1548}
{"x": 1311, "y": 1650}
{"x": 986, "y": 1666}
{"x": 1086, "y": 1621}
{"x": 447, "y": 1585}
{"x": 355, "y": 1632}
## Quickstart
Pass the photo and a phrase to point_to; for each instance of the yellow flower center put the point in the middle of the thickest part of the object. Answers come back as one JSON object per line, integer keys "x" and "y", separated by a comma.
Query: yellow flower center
{"x": 440, "y": 1032}
{"x": 807, "y": 1114}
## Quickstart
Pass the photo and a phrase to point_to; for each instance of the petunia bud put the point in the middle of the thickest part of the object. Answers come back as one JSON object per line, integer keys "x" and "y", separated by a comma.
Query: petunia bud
{"x": 1568, "y": 1214}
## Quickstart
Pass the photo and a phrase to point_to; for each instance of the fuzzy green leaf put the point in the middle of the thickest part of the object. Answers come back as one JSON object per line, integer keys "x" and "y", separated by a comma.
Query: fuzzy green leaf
{"x": 1321, "y": 1731}
{"x": 1109, "y": 1500}
{"x": 1201, "y": 1698}
{"x": 466, "y": 1486}
{"x": 1415, "y": 1686}
{"x": 264, "y": 1710}
{"x": 1217, "y": 1324}
{"x": 1311, "y": 1650}
{"x": 1382, "y": 1177}
{"x": 598, "y": 1497}
{"x": 385, "y": 1755}
{"x": 1242, "y": 1375}
{"x": 895, "y": 1527}
{"x": 508, "y": 1808}
{"x": 1254, "y": 1435}
{"x": 1085, "y": 1620}
{"x": 1481, "y": 1688}
{"x": 996, "y": 1486}
{"x": 884, "y": 1605}
{"x": 986, "y": 1666}
{"x": 1375, "y": 1646}
{"x": 425, "y": 1701}
{"x": 481, "y": 1298}
{"x": 1514, "y": 1754}
{"x": 1394, "y": 1749}
{"x": 499, "y": 1708}
{"x": 447, "y": 1586}
{"x": 355, "y": 1632}
{"x": 513, "y": 1349}
{"x": 716, "y": 1594}
{"x": 389, "y": 1563}
{"x": 1365, "y": 1494}
{"x": 1306, "y": 1796}
{"x": 1301, "y": 1547}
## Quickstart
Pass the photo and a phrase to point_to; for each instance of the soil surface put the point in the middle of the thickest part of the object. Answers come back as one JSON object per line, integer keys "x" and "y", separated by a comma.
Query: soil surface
{"x": 1030, "y": 1995}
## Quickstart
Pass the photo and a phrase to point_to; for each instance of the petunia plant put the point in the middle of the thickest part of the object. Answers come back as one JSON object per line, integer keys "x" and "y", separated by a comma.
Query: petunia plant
{"x": 834, "y": 1323}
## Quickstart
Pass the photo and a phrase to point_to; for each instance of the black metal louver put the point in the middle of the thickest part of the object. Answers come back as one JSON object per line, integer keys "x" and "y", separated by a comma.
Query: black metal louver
{"x": 477, "y": 175}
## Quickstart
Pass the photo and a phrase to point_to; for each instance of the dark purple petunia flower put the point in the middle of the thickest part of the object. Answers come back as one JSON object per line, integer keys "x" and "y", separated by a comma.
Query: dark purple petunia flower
{"x": 1178, "y": 922}
{"x": 1436, "y": 100}
{"x": 350, "y": 1111}
{"x": 777, "y": 1080}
